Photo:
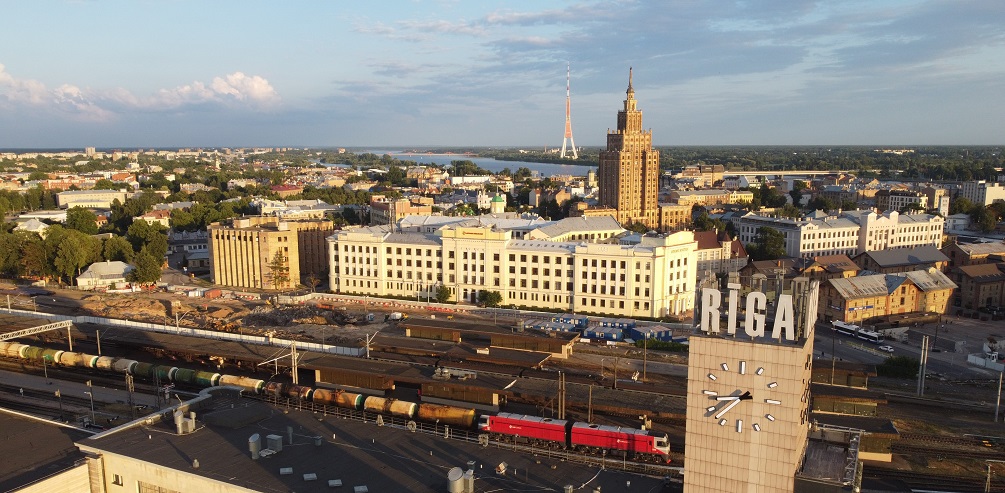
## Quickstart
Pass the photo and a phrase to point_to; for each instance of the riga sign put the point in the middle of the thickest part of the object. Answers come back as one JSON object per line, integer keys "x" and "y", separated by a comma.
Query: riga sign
{"x": 755, "y": 323}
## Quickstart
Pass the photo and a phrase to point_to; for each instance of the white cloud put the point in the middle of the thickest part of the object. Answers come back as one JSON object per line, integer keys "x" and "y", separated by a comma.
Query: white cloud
{"x": 234, "y": 90}
{"x": 21, "y": 90}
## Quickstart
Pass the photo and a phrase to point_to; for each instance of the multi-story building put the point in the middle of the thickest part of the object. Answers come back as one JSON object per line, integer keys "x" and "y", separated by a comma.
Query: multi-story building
{"x": 654, "y": 278}
{"x": 710, "y": 197}
{"x": 390, "y": 211}
{"x": 896, "y": 200}
{"x": 903, "y": 260}
{"x": 938, "y": 200}
{"x": 90, "y": 199}
{"x": 704, "y": 175}
{"x": 719, "y": 254}
{"x": 851, "y": 233}
{"x": 961, "y": 254}
{"x": 981, "y": 285}
{"x": 982, "y": 192}
{"x": 629, "y": 168}
{"x": 242, "y": 250}
{"x": 869, "y": 298}
{"x": 674, "y": 217}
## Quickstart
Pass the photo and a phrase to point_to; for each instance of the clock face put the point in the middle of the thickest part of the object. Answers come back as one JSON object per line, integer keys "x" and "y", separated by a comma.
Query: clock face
{"x": 733, "y": 406}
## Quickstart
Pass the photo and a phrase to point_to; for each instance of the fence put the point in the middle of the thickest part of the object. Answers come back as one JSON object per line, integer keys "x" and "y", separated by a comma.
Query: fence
{"x": 193, "y": 332}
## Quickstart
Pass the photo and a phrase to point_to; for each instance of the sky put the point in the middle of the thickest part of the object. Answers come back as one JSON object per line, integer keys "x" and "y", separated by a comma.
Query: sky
{"x": 180, "y": 73}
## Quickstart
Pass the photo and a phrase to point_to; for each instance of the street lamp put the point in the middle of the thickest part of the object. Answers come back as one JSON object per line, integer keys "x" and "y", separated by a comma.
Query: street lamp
{"x": 45, "y": 369}
{"x": 91, "y": 395}
{"x": 59, "y": 396}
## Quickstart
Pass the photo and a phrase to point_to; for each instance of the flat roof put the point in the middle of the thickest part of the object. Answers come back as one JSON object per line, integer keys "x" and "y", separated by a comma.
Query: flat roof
{"x": 382, "y": 458}
{"x": 490, "y": 329}
{"x": 33, "y": 449}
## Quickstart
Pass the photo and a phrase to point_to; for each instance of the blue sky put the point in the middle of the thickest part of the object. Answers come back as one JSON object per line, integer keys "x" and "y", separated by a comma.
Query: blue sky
{"x": 492, "y": 73}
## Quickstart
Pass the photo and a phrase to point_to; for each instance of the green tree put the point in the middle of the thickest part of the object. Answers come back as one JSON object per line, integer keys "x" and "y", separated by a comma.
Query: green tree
{"x": 960, "y": 205}
{"x": 279, "y": 271}
{"x": 789, "y": 210}
{"x": 769, "y": 244}
{"x": 82, "y": 220}
{"x": 72, "y": 254}
{"x": 146, "y": 269}
{"x": 821, "y": 203}
{"x": 117, "y": 248}
{"x": 442, "y": 294}
{"x": 490, "y": 298}
{"x": 106, "y": 184}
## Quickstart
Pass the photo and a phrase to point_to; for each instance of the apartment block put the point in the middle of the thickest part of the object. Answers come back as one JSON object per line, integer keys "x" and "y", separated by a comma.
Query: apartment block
{"x": 242, "y": 249}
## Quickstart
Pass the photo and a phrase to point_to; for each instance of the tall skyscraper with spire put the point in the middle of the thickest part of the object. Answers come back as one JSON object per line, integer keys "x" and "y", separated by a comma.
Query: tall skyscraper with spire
{"x": 629, "y": 168}
{"x": 568, "y": 116}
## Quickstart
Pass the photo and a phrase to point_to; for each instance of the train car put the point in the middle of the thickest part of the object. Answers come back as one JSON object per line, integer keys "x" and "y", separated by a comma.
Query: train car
{"x": 80, "y": 360}
{"x": 254, "y": 385}
{"x": 448, "y": 415}
{"x": 103, "y": 363}
{"x": 13, "y": 349}
{"x": 593, "y": 437}
{"x": 143, "y": 370}
{"x": 164, "y": 373}
{"x": 338, "y": 398}
{"x": 523, "y": 428}
{"x": 272, "y": 389}
{"x": 394, "y": 407}
{"x": 123, "y": 365}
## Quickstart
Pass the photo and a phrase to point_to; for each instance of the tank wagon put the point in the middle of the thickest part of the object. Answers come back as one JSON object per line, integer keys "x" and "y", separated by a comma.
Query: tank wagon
{"x": 546, "y": 432}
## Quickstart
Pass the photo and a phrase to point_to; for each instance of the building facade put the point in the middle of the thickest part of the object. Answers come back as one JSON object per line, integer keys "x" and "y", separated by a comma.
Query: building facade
{"x": 629, "y": 168}
{"x": 896, "y": 200}
{"x": 654, "y": 278}
{"x": 981, "y": 286}
{"x": 850, "y": 233}
{"x": 241, "y": 251}
{"x": 982, "y": 192}
{"x": 719, "y": 254}
{"x": 90, "y": 199}
{"x": 674, "y": 217}
{"x": 867, "y": 298}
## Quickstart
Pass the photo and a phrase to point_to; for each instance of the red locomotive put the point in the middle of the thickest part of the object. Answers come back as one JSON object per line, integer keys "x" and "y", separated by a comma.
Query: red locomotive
{"x": 584, "y": 437}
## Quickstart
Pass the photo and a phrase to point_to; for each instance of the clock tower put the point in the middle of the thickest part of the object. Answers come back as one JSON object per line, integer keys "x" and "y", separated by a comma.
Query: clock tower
{"x": 748, "y": 390}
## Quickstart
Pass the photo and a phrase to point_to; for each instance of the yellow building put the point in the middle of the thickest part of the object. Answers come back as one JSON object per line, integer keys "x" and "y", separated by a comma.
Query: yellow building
{"x": 242, "y": 249}
{"x": 629, "y": 168}
{"x": 864, "y": 299}
{"x": 674, "y": 217}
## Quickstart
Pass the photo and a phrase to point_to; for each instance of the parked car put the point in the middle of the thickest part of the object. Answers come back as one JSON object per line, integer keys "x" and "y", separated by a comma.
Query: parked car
{"x": 888, "y": 349}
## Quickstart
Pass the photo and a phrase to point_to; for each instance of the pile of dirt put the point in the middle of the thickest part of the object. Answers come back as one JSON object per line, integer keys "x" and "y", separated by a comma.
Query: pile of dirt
{"x": 133, "y": 308}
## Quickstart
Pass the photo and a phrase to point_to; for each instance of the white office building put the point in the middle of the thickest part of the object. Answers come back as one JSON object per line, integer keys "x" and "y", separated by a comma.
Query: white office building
{"x": 654, "y": 278}
{"x": 850, "y": 233}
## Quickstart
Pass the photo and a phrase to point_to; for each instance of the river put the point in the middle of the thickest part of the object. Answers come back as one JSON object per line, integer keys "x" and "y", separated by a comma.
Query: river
{"x": 543, "y": 169}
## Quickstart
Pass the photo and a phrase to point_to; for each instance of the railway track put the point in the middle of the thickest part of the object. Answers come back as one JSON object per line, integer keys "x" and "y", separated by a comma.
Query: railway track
{"x": 916, "y": 480}
{"x": 645, "y": 468}
{"x": 940, "y": 439}
{"x": 947, "y": 453}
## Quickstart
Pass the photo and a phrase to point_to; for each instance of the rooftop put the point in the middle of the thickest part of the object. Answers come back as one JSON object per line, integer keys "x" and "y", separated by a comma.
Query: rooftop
{"x": 907, "y": 256}
{"x": 33, "y": 449}
{"x": 382, "y": 458}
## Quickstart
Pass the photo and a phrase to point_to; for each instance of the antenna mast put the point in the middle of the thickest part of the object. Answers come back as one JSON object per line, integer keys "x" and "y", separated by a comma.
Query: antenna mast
{"x": 568, "y": 118}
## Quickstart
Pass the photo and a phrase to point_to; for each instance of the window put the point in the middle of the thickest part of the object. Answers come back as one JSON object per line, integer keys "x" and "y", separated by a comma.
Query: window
{"x": 117, "y": 480}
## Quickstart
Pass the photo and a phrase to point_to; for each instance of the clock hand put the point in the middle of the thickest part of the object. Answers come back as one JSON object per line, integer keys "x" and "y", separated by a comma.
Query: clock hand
{"x": 728, "y": 398}
{"x": 746, "y": 396}
{"x": 727, "y": 408}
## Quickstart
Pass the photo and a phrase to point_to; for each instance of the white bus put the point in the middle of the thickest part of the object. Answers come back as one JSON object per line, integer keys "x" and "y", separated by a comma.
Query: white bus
{"x": 845, "y": 328}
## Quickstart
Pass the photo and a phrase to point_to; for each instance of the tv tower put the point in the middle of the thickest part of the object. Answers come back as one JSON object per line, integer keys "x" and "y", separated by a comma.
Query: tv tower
{"x": 568, "y": 118}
